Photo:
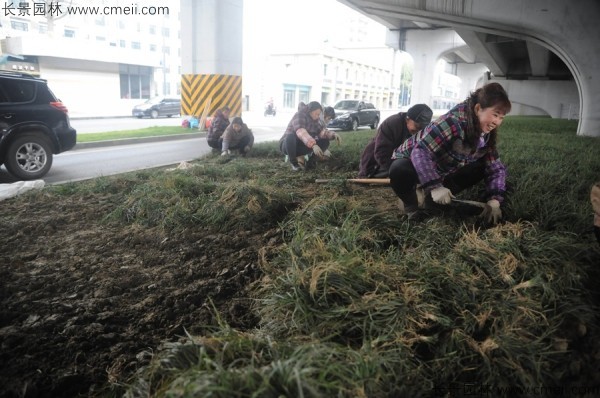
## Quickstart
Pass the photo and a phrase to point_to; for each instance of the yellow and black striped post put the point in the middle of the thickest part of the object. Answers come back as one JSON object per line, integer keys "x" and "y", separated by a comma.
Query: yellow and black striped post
{"x": 214, "y": 91}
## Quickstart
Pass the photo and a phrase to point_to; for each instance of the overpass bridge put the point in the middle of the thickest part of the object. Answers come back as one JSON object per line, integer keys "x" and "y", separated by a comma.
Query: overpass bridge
{"x": 544, "y": 52}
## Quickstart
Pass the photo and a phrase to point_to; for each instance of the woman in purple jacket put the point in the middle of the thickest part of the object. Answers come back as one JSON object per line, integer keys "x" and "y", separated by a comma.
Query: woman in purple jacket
{"x": 454, "y": 152}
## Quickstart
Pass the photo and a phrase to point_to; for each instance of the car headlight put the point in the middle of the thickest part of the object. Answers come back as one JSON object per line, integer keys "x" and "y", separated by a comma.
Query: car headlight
{"x": 345, "y": 116}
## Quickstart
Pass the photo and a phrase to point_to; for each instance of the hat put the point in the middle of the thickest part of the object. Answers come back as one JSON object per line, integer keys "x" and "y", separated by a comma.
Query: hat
{"x": 420, "y": 114}
{"x": 237, "y": 120}
{"x": 329, "y": 112}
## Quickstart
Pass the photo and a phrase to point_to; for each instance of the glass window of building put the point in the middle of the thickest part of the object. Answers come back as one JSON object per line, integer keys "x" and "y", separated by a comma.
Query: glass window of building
{"x": 136, "y": 45}
{"x": 288, "y": 98}
{"x": 19, "y": 25}
{"x": 135, "y": 81}
{"x": 304, "y": 95}
{"x": 69, "y": 32}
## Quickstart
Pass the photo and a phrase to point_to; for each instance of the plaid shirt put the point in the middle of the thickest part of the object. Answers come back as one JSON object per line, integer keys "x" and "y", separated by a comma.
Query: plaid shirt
{"x": 302, "y": 120}
{"x": 441, "y": 149}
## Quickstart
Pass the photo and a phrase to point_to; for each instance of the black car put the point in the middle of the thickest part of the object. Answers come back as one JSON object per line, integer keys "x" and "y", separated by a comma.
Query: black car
{"x": 158, "y": 106}
{"x": 34, "y": 126}
{"x": 350, "y": 114}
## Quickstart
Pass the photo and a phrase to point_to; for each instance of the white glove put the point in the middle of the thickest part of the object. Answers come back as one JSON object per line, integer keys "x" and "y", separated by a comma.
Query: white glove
{"x": 317, "y": 151}
{"x": 225, "y": 153}
{"x": 442, "y": 195}
{"x": 327, "y": 154}
{"x": 491, "y": 212}
{"x": 338, "y": 139}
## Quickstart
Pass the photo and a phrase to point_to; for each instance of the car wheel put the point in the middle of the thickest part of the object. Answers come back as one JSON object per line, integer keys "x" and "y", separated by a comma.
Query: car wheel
{"x": 169, "y": 115}
{"x": 154, "y": 114}
{"x": 29, "y": 157}
{"x": 354, "y": 124}
{"x": 139, "y": 116}
{"x": 375, "y": 124}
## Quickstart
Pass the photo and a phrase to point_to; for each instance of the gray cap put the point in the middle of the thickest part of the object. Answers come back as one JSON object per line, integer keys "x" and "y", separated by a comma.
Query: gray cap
{"x": 420, "y": 114}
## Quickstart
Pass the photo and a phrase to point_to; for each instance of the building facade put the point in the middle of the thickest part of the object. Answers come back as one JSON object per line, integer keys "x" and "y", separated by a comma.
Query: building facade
{"x": 100, "y": 60}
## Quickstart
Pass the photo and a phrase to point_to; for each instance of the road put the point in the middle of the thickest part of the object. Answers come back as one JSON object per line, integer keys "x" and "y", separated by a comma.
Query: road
{"x": 82, "y": 164}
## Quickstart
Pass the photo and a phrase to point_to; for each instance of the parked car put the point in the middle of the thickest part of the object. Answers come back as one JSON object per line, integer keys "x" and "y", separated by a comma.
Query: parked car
{"x": 34, "y": 126}
{"x": 350, "y": 114}
{"x": 158, "y": 106}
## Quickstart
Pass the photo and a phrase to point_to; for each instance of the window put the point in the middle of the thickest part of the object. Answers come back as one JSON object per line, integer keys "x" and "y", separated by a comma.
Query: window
{"x": 69, "y": 32}
{"x": 122, "y": 43}
{"x": 451, "y": 68}
{"x": 42, "y": 28}
{"x": 304, "y": 95}
{"x": 288, "y": 98}
{"x": 19, "y": 25}
{"x": 136, "y": 45}
{"x": 100, "y": 38}
{"x": 152, "y": 47}
{"x": 324, "y": 69}
{"x": 135, "y": 81}
{"x": 166, "y": 32}
{"x": 152, "y": 29}
{"x": 166, "y": 49}
{"x": 17, "y": 90}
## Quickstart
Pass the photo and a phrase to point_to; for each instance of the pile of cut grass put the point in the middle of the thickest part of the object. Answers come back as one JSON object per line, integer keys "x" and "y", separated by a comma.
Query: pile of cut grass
{"x": 358, "y": 302}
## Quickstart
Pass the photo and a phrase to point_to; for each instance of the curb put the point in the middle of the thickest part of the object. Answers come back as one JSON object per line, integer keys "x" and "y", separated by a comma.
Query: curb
{"x": 130, "y": 141}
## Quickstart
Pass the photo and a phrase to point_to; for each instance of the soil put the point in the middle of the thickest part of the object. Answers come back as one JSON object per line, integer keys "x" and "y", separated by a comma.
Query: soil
{"x": 83, "y": 301}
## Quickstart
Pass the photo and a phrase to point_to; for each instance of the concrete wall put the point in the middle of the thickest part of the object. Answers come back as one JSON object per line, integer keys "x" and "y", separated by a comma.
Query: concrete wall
{"x": 558, "y": 99}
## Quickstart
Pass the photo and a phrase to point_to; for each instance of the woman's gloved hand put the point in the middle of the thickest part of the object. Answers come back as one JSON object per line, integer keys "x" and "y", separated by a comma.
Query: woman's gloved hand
{"x": 318, "y": 151}
{"x": 491, "y": 213}
{"x": 442, "y": 195}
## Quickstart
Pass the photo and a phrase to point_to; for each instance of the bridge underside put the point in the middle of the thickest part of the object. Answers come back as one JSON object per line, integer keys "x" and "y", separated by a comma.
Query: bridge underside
{"x": 524, "y": 42}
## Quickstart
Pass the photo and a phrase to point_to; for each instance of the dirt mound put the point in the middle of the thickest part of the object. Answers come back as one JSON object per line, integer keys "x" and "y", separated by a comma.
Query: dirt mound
{"x": 82, "y": 299}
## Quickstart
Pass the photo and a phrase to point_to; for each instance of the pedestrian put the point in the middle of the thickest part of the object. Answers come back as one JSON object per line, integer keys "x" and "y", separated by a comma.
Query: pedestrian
{"x": 305, "y": 135}
{"x": 595, "y": 199}
{"x": 217, "y": 127}
{"x": 237, "y": 136}
{"x": 376, "y": 158}
{"x": 454, "y": 152}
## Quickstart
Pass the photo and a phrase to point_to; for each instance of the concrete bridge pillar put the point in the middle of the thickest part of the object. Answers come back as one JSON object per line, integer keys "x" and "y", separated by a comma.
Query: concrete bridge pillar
{"x": 211, "y": 56}
{"x": 471, "y": 76}
{"x": 426, "y": 47}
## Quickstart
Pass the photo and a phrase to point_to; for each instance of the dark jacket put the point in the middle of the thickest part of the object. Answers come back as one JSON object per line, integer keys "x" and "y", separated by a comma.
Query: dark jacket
{"x": 377, "y": 155}
{"x": 217, "y": 127}
{"x": 232, "y": 139}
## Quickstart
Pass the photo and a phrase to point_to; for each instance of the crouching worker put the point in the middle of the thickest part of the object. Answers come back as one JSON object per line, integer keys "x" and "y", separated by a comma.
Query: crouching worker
{"x": 237, "y": 136}
{"x": 455, "y": 152}
{"x": 220, "y": 121}
{"x": 305, "y": 135}
{"x": 376, "y": 158}
{"x": 595, "y": 198}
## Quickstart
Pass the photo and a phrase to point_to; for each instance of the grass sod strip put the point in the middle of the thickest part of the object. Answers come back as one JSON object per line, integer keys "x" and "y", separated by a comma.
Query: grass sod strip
{"x": 359, "y": 302}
